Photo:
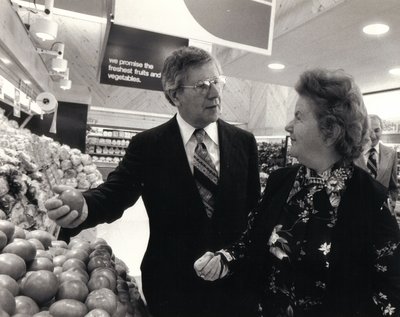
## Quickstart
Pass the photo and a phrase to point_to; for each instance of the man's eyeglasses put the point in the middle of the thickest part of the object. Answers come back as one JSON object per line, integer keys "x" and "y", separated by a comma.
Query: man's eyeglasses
{"x": 203, "y": 86}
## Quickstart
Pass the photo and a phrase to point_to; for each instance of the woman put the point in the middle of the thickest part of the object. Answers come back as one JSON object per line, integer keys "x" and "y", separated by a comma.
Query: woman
{"x": 322, "y": 241}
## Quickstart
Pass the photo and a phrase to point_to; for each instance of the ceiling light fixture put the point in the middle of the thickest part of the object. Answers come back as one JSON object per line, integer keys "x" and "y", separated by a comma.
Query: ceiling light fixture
{"x": 58, "y": 64}
{"x": 276, "y": 66}
{"x": 376, "y": 29}
{"x": 395, "y": 71}
{"x": 44, "y": 27}
{"x": 65, "y": 83}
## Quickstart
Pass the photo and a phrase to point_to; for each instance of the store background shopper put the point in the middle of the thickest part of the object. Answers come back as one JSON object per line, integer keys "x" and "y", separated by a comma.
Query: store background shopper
{"x": 380, "y": 160}
{"x": 323, "y": 241}
{"x": 197, "y": 190}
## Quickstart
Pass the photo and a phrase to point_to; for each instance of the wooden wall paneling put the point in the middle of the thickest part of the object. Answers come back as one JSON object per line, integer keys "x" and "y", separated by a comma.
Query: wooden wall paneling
{"x": 258, "y": 106}
{"x": 290, "y": 104}
{"x": 270, "y": 109}
{"x": 153, "y": 101}
{"x": 276, "y": 109}
{"x": 236, "y": 100}
{"x": 83, "y": 40}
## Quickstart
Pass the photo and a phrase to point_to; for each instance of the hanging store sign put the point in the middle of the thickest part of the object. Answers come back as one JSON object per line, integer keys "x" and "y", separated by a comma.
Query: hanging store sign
{"x": 134, "y": 58}
{"x": 246, "y": 25}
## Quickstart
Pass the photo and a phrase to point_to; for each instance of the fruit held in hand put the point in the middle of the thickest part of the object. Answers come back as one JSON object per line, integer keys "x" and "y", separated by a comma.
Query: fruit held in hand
{"x": 73, "y": 198}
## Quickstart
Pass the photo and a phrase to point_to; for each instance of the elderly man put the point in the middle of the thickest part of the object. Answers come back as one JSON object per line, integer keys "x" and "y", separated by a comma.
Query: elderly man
{"x": 380, "y": 160}
{"x": 198, "y": 177}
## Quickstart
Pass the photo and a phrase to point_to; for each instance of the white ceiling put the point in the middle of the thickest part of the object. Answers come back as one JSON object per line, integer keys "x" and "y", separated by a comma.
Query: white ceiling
{"x": 332, "y": 39}
{"x": 309, "y": 33}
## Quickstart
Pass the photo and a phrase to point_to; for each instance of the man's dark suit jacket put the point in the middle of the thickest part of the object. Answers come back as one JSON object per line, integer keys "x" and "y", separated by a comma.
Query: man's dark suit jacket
{"x": 351, "y": 280}
{"x": 156, "y": 167}
{"x": 387, "y": 169}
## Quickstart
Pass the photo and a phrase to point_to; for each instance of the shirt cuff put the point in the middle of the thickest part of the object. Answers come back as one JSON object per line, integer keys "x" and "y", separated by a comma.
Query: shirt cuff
{"x": 225, "y": 256}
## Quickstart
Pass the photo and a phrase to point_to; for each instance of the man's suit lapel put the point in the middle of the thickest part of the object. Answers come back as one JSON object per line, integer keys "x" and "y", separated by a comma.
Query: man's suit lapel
{"x": 226, "y": 149}
{"x": 383, "y": 162}
{"x": 174, "y": 153}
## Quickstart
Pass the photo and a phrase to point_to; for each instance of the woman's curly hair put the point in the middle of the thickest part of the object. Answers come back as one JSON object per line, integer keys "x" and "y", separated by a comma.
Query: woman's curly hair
{"x": 339, "y": 109}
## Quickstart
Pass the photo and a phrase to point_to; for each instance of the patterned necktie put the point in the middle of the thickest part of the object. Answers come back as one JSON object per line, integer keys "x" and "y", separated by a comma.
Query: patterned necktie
{"x": 205, "y": 173}
{"x": 371, "y": 163}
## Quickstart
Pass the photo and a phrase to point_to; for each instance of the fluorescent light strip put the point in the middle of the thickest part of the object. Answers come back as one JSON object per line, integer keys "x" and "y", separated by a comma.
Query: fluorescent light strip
{"x": 263, "y": 2}
{"x": 5, "y": 60}
{"x": 140, "y": 113}
{"x": 395, "y": 71}
{"x": 62, "y": 12}
{"x": 149, "y": 114}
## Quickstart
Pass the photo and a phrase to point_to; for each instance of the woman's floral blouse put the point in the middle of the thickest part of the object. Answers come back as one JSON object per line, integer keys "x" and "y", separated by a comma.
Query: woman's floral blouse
{"x": 299, "y": 247}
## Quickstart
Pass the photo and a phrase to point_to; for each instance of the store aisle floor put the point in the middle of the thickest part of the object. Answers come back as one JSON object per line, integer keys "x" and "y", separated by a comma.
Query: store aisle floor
{"x": 128, "y": 237}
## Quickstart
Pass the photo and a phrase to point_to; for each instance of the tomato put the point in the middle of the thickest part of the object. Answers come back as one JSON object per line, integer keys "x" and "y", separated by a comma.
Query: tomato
{"x": 57, "y": 271}
{"x": 59, "y": 260}
{"x": 74, "y": 241}
{"x": 82, "y": 245}
{"x": 98, "y": 312}
{"x": 73, "y": 263}
{"x": 21, "y": 247}
{"x": 7, "y": 301}
{"x": 12, "y": 265}
{"x": 100, "y": 252}
{"x": 41, "y": 286}
{"x": 9, "y": 283}
{"x": 26, "y": 305}
{"x": 59, "y": 244}
{"x": 104, "y": 247}
{"x": 3, "y": 312}
{"x": 57, "y": 251}
{"x": 43, "y": 236}
{"x": 74, "y": 274}
{"x": 78, "y": 254}
{"x": 18, "y": 233}
{"x": 43, "y": 254}
{"x": 8, "y": 228}
{"x": 40, "y": 263}
{"x": 102, "y": 298}
{"x": 98, "y": 262}
{"x": 73, "y": 198}
{"x": 68, "y": 308}
{"x": 109, "y": 273}
{"x": 43, "y": 313}
{"x": 36, "y": 243}
{"x": 75, "y": 289}
{"x": 3, "y": 240}
{"x": 98, "y": 282}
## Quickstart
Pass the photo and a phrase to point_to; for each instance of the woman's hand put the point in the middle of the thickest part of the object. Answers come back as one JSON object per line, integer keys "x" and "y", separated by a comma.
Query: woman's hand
{"x": 210, "y": 267}
{"x": 66, "y": 214}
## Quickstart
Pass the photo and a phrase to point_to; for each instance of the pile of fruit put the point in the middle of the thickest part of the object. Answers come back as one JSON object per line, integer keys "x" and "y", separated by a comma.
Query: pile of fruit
{"x": 30, "y": 166}
{"x": 41, "y": 276}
